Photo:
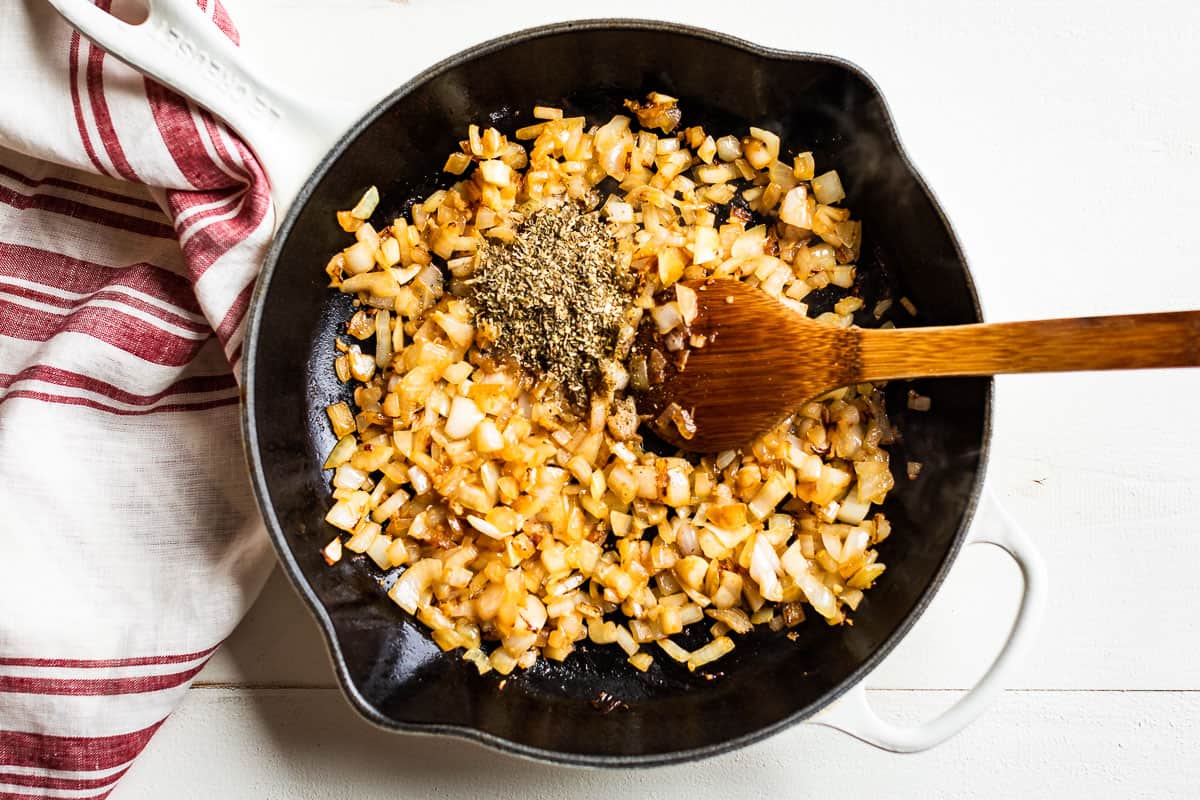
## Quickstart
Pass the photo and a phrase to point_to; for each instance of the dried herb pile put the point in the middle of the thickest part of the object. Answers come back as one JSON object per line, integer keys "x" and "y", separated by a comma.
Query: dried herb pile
{"x": 553, "y": 299}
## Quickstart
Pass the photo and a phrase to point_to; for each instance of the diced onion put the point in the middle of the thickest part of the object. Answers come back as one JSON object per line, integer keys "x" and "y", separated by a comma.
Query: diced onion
{"x": 461, "y": 333}
{"x": 667, "y": 317}
{"x": 364, "y": 536}
{"x": 827, "y": 188}
{"x": 362, "y": 365}
{"x": 919, "y": 402}
{"x": 409, "y": 590}
{"x": 618, "y": 211}
{"x": 341, "y": 419}
{"x": 346, "y": 513}
{"x": 853, "y": 510}
{"x": 729, "y": 148}
{"x": 717, "y": 173}
{"x": 803, "y": 166}
{"x": 750, "y": 243}
{"x": 527, "y": 519}
{"x": 347, "y": 477}
{"x": 794, "y": 210}
{"x": 641, "y": 661}
{"x": 765, "y": 568}
{"x": 674, "y": 651}
{"x": 464, "y": 416}
{"x": 624, "y": 640}
{"x": 769, "y": 496}
{"x": 333, "y": 551}
{"x": 611, "y": 142}
{"x": 768, "y": 138}
{"x": 685, "y": 296}
{"x": 485, "y": 527}
{"x": 341, "y": 452}
{"x": 457, "y": 163}
{"x": 366, "y": 204}
{"x": 360, "y": 257}
{"x": 709, "y": 652}
{"x": 707, "y": 247}
{"x": 496, "y": 172}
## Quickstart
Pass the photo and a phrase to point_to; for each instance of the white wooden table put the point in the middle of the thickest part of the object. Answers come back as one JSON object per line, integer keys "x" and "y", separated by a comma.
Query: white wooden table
{"x": 1064, "y": 141}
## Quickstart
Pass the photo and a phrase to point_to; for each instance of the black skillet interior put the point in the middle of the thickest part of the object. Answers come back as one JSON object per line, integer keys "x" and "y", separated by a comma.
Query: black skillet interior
{"x": 392, "y": 672}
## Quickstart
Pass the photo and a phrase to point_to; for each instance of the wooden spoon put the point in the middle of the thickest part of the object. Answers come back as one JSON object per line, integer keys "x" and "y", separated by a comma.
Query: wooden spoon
{"x": 761, "y": 360}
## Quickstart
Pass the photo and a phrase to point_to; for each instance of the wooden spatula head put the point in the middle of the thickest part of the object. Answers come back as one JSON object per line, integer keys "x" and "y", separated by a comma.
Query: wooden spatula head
{"x": 745, "y": 379}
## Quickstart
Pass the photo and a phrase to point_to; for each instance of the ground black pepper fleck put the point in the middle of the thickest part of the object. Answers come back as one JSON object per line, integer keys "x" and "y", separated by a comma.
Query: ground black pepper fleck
{"x": 554, "y": 298}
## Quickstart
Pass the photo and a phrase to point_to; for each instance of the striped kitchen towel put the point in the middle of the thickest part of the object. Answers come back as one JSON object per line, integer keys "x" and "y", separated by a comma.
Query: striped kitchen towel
{"x": 132, "y": 225}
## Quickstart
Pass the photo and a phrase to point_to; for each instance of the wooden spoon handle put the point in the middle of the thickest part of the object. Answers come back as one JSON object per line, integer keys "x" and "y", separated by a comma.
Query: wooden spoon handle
{"x": 1131, "y": 341}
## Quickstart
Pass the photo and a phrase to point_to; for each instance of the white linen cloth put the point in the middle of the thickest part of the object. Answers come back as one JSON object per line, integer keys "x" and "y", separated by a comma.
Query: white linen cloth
{"x": 132, "y": 225}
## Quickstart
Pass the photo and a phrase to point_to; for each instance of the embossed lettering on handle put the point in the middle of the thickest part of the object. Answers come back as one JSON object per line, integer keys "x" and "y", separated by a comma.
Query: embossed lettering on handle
{"x": 238, "y": 89}
{"x": 182, "y": 48}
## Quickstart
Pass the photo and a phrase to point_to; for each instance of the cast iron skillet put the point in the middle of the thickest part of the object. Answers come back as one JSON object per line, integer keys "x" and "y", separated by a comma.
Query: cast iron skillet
{"x": 391, "y": 671}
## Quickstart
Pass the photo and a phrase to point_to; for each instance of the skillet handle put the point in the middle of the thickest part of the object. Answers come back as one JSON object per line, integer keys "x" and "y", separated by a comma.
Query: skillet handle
{"x": 852, "y": 713}
{"x": 180, "y": 47}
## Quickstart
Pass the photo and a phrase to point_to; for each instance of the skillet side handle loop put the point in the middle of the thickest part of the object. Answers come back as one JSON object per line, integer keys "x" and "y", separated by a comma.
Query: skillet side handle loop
{"x": 852, "y": 713}
{"x": 181, "y": 48}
